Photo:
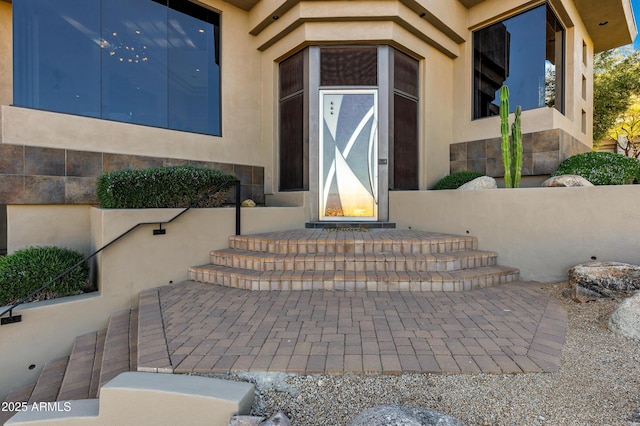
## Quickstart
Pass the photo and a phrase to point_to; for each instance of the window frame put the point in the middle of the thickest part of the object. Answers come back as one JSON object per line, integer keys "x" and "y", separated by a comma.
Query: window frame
{"x": 559, "y": 81}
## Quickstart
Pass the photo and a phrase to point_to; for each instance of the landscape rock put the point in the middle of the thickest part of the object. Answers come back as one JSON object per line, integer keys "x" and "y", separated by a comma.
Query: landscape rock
{"x": 384, "y": 415}
{"x": 245, "y": 421}
{"x": 278, "y": 419}
{"x": 603, "y": 279}
{"x": 566, "y": 181}
{"x": 625, "y": 319}
{"x": 583, "y": 295}
{"x": 483, "y": 182}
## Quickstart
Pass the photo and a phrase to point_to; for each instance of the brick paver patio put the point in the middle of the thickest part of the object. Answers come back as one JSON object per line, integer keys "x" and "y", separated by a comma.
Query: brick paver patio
{"x": 509, "y": 328}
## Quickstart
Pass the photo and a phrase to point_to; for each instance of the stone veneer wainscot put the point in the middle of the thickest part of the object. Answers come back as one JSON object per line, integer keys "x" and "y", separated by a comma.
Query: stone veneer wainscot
{"x": 36, "y": 175}
{"x": 542, "y": 153}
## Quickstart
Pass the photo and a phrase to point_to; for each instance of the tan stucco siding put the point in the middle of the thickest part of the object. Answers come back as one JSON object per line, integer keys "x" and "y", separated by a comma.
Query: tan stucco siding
{"x": 6, "y": 57}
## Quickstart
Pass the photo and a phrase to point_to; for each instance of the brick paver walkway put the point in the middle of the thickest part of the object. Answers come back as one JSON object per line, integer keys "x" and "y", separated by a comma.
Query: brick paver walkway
{"x": 504, "y": 329}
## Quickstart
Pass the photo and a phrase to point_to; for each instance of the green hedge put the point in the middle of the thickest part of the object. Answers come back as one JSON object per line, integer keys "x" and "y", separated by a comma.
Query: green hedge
{"x": 601, "y": 168}
{"x": 456, "y": 180}
{"x": 28, "y": 269}
{"x": 162, "y": 187}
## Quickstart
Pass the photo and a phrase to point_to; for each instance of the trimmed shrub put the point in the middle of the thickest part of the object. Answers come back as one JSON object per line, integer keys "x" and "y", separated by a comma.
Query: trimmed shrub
{"x": 162, "y": 187}
{"x": 601, "y": 168}
{"x": 456, "y": 180}
{"x": 28, "y": 269}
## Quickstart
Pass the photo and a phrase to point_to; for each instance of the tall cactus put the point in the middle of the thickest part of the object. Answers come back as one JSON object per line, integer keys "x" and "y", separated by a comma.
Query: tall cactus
{"x": 511, "y": 144}
{"x": 516, "y": 147}
{"x": 504, "y": 130}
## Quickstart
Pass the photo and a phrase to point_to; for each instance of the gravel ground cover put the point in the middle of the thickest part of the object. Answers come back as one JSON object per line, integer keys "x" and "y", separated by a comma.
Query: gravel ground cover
{"x": 598, "y": 384}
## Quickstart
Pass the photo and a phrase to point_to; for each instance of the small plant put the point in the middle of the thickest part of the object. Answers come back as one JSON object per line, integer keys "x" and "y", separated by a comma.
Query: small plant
{"x": 456, "y": 180}
{"x": 511, "y": 145}
{"x": 601, "y": 168}
{"x": 28, "y": 269}
{"x": 161, "y": 187}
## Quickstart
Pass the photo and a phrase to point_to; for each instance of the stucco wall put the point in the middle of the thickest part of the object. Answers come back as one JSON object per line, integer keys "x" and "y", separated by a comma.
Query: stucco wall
{"x": 6, "y": 57}
{"x": 542, "y": 231}
{"x": 63, "y": 226}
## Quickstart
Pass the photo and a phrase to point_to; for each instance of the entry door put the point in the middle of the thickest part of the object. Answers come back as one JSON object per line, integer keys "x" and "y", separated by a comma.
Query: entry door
{"x": 348, "y": 155}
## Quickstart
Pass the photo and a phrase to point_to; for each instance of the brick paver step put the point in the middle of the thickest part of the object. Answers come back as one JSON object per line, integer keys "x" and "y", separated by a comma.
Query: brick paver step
{"x": 116, "y": 357}
{"x": 460, "y": 280}
{"x": 49, "y": 381}
{"x": 97, "y": 363}
{"x": 324, "y": 241}
{"x": 151, "y": 349}
{"x": 19, "y": 395}
{"x": 375, "y": 261}
{"x": 76, "y": 383}
{"x": 380, "y": 260}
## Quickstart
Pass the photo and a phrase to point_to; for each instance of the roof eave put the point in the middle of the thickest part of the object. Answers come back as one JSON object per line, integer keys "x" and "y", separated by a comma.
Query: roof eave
{"x": 610, "y": 23}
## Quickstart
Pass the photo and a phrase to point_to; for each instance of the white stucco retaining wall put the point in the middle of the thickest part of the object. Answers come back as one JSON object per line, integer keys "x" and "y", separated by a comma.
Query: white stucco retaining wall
{"x": 49, "y": 225}
{"x": 542, "y": 231}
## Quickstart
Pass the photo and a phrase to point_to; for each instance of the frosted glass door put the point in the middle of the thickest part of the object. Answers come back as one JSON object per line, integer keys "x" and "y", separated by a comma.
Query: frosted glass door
{"x": 348, "y": 155}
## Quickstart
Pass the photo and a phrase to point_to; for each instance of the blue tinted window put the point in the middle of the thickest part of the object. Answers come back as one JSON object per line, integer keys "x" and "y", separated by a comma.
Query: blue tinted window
{"x": 57, "y": 55}
{"x": 524, "y": 52}
{"x": 136, "y": 61}
{"x": 194, "y": 69}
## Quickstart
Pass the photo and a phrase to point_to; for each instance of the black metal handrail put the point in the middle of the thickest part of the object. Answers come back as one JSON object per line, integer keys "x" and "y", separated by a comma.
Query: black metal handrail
{"x": 160, "y": 231}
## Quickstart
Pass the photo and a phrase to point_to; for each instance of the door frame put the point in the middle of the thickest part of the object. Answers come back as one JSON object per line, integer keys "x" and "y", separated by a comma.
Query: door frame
{"x": 383, "y": 131}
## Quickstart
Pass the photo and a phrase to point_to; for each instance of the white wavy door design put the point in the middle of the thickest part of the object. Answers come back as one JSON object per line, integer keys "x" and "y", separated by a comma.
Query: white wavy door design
{"x": 348, "y": 155}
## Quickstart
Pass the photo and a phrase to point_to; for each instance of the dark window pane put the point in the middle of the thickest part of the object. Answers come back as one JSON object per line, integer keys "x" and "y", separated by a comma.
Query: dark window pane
{"x": 405, "y": 143}
{"x": 110, "y": 59}
{"x": 292, "y": 75}
{"x": 57, "y": 55}
{"x": 405, "y": 73}
{"x": 513, "y": 52}
{"x": 292, "y": 149}
{"x": 349, "y": 66}
{"x": 194, "y": 72}
{"x": 134, "y": 62}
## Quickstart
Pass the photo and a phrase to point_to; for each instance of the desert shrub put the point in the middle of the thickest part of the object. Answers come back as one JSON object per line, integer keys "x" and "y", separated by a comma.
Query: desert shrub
{"x": 601, "y": 168}
{"x": 456, "y": 180}
{"x": 161, "y": 187}
{"x": 28, "y": 269}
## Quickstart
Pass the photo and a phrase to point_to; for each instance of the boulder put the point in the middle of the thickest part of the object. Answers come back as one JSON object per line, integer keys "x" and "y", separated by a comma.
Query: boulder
{"x": 566, "y": 181}
{"x": 625, "y": 319}
{"x": 603, "y": 279}
{"x": 483, "y": 182}
{"x": 384, "y": 415}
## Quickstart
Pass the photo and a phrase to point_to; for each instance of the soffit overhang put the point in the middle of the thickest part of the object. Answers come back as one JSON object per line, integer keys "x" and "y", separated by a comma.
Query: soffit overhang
{"x": 619, "y": 30}
{"x": 243, "y": 4}
{"x": 470, "y": 3}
